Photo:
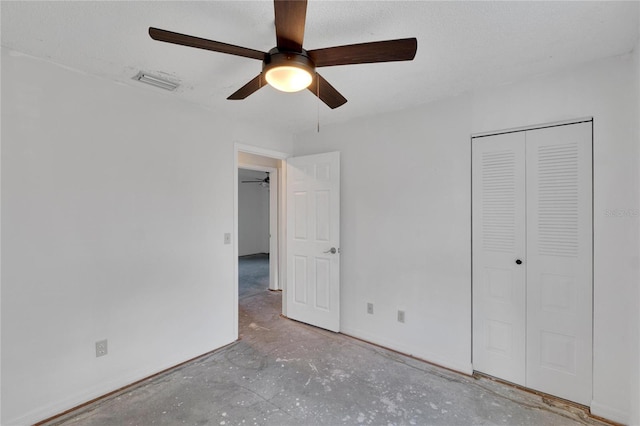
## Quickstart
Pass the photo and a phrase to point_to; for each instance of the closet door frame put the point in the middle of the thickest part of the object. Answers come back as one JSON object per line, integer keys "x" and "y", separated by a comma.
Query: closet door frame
{"x": 473, "y": 284}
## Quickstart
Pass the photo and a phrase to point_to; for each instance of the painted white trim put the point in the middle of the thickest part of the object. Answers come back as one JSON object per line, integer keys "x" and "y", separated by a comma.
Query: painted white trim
{"x": 274, "y": 234}
{"x": 234, "y": 241}
{"x": 249, "y": 149}
{"x": 282, "y": 226}
{"x": 431, "y": 358}
{"x": 532, "y": 127}
{"x": 281, "y": 214}
{"x": 254, "y": 167}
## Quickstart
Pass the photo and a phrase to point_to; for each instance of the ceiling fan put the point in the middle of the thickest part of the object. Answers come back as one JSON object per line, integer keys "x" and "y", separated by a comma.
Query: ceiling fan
{"x": 290, "y": 68}
{"x": 263, "y": 182}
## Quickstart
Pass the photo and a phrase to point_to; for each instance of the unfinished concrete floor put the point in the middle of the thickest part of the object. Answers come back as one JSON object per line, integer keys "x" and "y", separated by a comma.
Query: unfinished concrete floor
{"x": 285, "y": 373}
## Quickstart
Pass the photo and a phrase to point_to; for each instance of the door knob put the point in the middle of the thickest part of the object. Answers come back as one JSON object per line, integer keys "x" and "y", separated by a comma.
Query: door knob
{"x": 518, "y": 261}
{"x": 332, "y": 250}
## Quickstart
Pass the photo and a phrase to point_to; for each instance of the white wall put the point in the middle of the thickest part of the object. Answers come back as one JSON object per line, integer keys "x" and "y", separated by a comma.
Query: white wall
{"x": 406, "y": 217}
{"x": 405, "y": 229}
{"x": 115, "y": 200}
{"x": 253, "y": 214}
{"x": 635, "y": 372}
{"x": 113, "y": 220}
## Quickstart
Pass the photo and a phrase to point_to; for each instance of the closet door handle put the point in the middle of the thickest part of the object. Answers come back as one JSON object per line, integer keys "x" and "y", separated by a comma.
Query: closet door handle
{"x": 518, "y": 262}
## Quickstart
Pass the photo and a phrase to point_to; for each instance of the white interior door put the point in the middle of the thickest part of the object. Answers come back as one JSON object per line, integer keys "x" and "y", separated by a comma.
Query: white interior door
{"x": 313, "y": 240}
{"x": 559, "y": 257}
{"x": 498, "y": 242}
{"x": 532, "y": 259}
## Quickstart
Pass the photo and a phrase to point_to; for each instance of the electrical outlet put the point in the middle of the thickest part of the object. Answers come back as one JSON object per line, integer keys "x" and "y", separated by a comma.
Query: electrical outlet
{"x": 227, "y": 238}
{"x": 101, "y": 348}
{"x": 400, "y": 316}
{"x": 370, "y": 308}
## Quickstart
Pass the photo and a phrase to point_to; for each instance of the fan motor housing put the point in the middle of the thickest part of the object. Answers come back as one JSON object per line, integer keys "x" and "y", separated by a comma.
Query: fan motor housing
{"x": 277, "y": 58}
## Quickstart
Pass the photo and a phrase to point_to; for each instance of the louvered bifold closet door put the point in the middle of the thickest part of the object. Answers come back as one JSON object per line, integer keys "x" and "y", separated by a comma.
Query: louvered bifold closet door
{"x": 559, "y": 258}
{"x": 498, "y": 223}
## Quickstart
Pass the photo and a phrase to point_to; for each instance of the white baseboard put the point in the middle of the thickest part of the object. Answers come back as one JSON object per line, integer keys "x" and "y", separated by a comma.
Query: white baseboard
{"x": 71, "y": 401}
{"x": 89, "y": 394}
{"x": 438, "y": 360}
{"x": 609, "y": 413}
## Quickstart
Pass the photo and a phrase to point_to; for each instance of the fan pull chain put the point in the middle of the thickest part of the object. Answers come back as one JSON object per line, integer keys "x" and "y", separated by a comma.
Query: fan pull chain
{"x": 318, "y": 96}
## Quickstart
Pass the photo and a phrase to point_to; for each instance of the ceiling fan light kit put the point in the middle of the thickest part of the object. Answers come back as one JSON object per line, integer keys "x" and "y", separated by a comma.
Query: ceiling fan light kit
{"x": 290, "y": 68}
{"x": 287, "y": 71}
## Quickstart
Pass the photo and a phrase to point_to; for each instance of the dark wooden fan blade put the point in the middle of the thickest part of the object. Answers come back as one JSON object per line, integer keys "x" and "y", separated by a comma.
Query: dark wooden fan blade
{"x": 326, "y": 92}
{"x": 256, "y": 83}
{"x": 201, "y": 43}
{"x": 290, "y": 19}
{"x": 366, "y": 53}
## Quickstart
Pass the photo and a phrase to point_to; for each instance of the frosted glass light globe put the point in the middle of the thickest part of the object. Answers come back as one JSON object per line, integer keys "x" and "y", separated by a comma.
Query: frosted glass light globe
{"x": 288, "y": 79}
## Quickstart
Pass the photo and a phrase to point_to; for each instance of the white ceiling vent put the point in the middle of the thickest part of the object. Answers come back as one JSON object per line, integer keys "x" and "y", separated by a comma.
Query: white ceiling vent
{"x": 155, "y": 81}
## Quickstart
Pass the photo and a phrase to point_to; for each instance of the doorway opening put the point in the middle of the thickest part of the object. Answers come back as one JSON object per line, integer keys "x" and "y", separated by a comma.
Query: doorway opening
{"x": 259, "y": 212}
{"x": 305, "y": 262}
{"x": 254, "y": 232}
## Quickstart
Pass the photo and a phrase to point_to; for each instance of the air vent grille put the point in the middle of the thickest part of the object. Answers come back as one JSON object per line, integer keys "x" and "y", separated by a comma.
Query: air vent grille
{"x": 156, "y": 81}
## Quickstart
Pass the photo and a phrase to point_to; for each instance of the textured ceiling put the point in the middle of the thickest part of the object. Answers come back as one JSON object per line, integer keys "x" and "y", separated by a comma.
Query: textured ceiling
{"x": 461, "y": 46}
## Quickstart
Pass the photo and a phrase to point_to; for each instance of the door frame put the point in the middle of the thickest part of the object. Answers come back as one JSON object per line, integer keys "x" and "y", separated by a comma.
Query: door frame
{"x": 588, "y": 119}
{"x": 530, "y": 127}
{"x": 280, "y": 188}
